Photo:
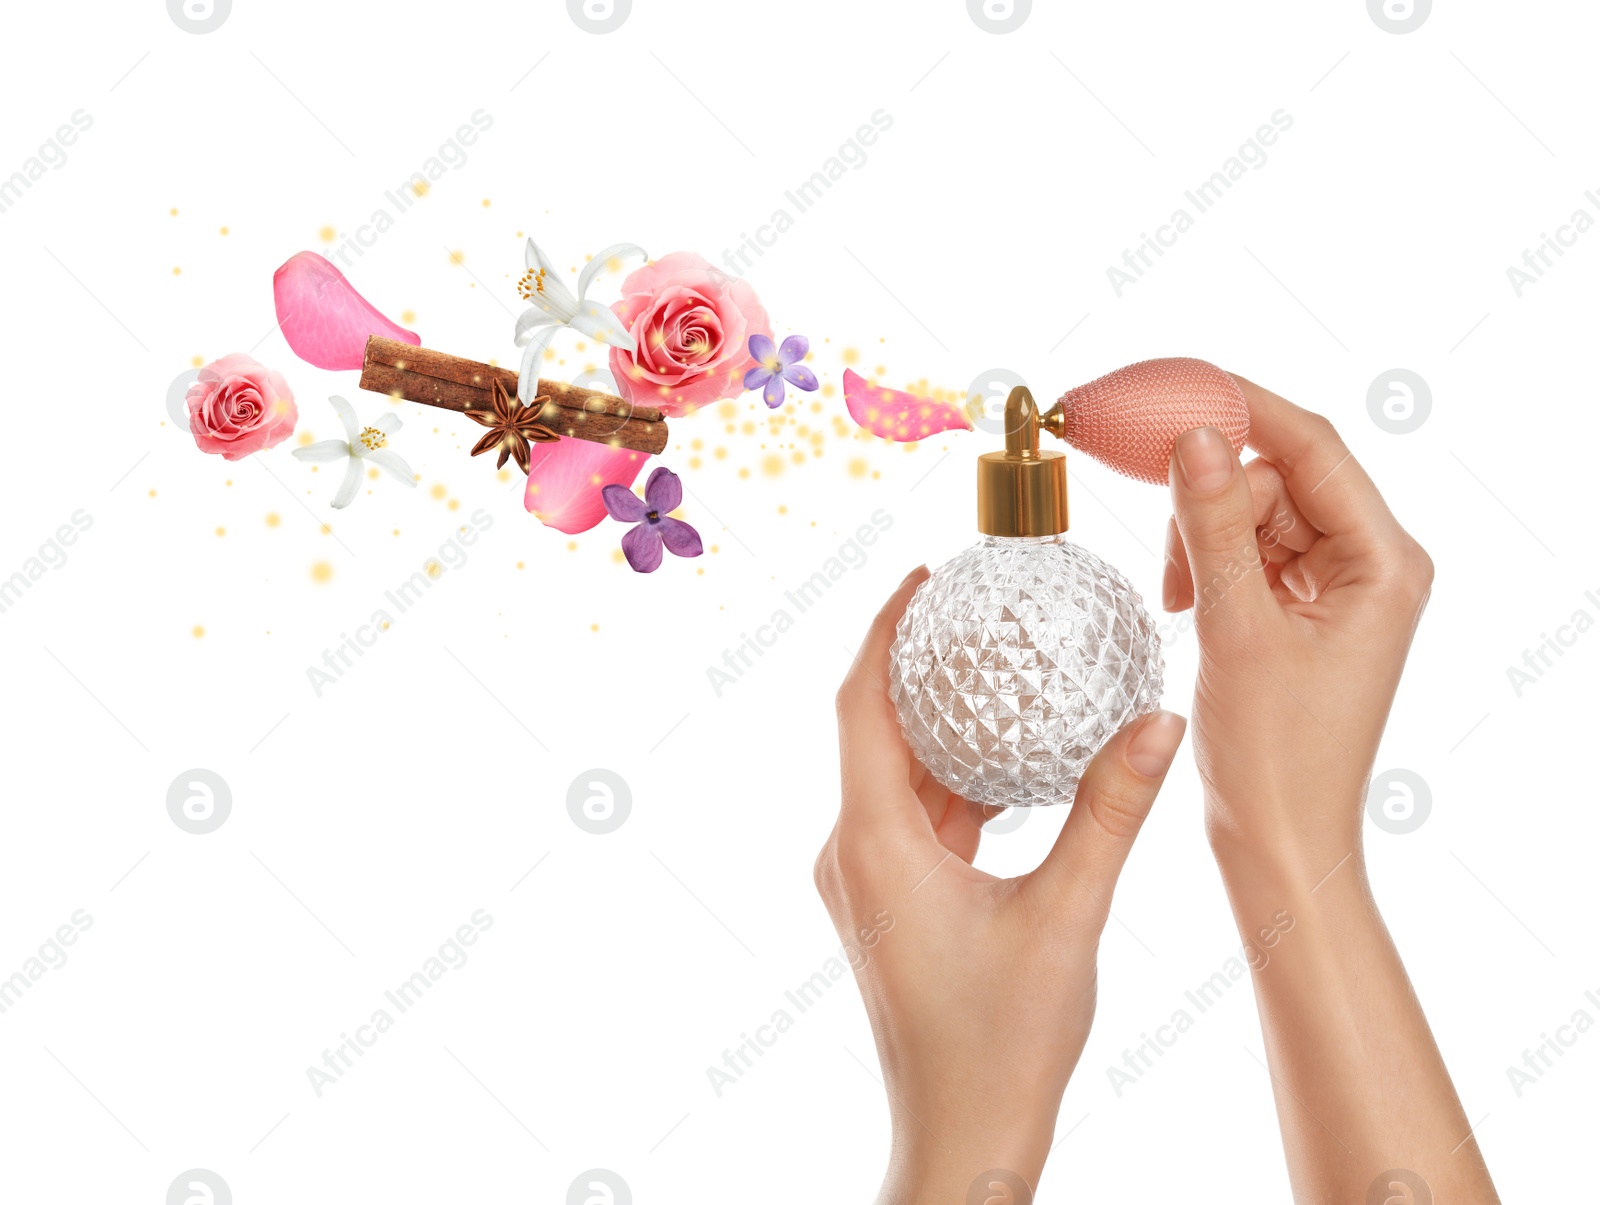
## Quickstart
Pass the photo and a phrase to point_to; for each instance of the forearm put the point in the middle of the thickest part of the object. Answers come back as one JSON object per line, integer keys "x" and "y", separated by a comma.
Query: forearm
{"x": 1360, "y": 1086}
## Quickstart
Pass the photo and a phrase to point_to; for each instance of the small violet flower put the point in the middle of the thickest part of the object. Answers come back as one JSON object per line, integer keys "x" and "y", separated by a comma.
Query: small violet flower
{"x": 775, "y": 366}
{"x": 642, "y": 544}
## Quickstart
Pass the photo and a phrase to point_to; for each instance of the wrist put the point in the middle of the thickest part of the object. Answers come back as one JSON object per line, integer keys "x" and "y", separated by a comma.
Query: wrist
{"x": 1257, "y": 858}
{"x": 924, "y": 1170}
{"x": 1315, "y": 886}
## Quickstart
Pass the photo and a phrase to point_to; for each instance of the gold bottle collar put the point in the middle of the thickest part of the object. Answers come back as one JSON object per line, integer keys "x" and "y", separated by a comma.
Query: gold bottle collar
{"x": 1023, "y": 491}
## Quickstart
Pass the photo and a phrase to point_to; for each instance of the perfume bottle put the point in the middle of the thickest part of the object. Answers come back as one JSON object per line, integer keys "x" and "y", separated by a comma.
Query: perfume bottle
{"x": 1018, "y": 659}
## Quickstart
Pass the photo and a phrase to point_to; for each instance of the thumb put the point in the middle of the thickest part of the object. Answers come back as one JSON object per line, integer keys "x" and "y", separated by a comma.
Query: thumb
{"x": 1215, "y": 513}
{"x": 1114, "y": 797}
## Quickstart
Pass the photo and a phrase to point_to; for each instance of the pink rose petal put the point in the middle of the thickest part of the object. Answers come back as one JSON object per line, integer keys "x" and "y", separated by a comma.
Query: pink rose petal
{"x": 902, "y": 417}
{"x": 565, "y": 478}
{"x": 324, "y": 319}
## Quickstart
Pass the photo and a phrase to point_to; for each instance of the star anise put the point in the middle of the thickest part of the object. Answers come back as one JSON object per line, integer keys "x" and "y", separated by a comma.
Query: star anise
{"x": 511, "y": 425}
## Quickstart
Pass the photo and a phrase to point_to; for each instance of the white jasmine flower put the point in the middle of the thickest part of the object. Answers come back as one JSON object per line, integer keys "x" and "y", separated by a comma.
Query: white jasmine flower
{"x": 361, "y": 446}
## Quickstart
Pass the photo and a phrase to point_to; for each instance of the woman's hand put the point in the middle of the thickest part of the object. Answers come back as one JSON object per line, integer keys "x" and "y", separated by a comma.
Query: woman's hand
{"x": 1306, "y": 593}
{"x": 980, "y": 990}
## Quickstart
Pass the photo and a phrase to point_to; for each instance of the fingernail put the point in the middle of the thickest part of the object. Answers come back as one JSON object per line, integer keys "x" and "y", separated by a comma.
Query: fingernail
{"x": 1205, "y": 459}
{"x": 1155, "y": 744}
{"x": 912, "y": 574}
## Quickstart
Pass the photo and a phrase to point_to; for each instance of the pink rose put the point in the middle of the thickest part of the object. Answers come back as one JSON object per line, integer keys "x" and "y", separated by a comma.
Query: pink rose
{"x": 239, "y": 407}
{"x": 692, "y": 324}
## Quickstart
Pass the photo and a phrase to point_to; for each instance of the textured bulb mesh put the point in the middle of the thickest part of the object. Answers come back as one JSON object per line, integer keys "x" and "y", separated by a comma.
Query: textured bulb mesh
{"x": 1129, "y": 419}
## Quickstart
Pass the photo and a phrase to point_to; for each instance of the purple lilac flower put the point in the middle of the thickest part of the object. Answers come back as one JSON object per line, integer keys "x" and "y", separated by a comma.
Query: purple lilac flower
{"x": 775, "y": 366}
{"x": 642, "y": 544}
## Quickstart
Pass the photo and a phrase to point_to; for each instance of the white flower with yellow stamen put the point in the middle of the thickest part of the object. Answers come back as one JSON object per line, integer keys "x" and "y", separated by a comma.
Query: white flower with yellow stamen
{"x": 554, "y": 307}
{"x": 361, "y": 446}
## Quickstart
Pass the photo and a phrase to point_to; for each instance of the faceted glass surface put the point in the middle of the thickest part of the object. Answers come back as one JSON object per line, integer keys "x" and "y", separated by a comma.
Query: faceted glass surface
{"x": 1015, "y": 662}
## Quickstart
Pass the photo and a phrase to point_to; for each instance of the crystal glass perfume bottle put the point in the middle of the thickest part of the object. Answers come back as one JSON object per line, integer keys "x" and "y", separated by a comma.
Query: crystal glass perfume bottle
{"x": 1018, "y": 659}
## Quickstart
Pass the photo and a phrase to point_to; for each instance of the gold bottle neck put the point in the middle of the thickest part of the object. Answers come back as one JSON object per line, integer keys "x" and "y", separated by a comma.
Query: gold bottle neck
{"x": 1023, "y": 491}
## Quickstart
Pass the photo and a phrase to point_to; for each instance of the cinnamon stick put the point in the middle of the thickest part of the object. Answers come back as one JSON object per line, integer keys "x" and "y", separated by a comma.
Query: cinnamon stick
{"x": 435, "y": 378}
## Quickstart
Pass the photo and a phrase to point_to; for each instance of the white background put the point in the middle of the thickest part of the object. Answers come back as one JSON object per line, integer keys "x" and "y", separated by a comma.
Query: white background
{"x": 369, "y": 822}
